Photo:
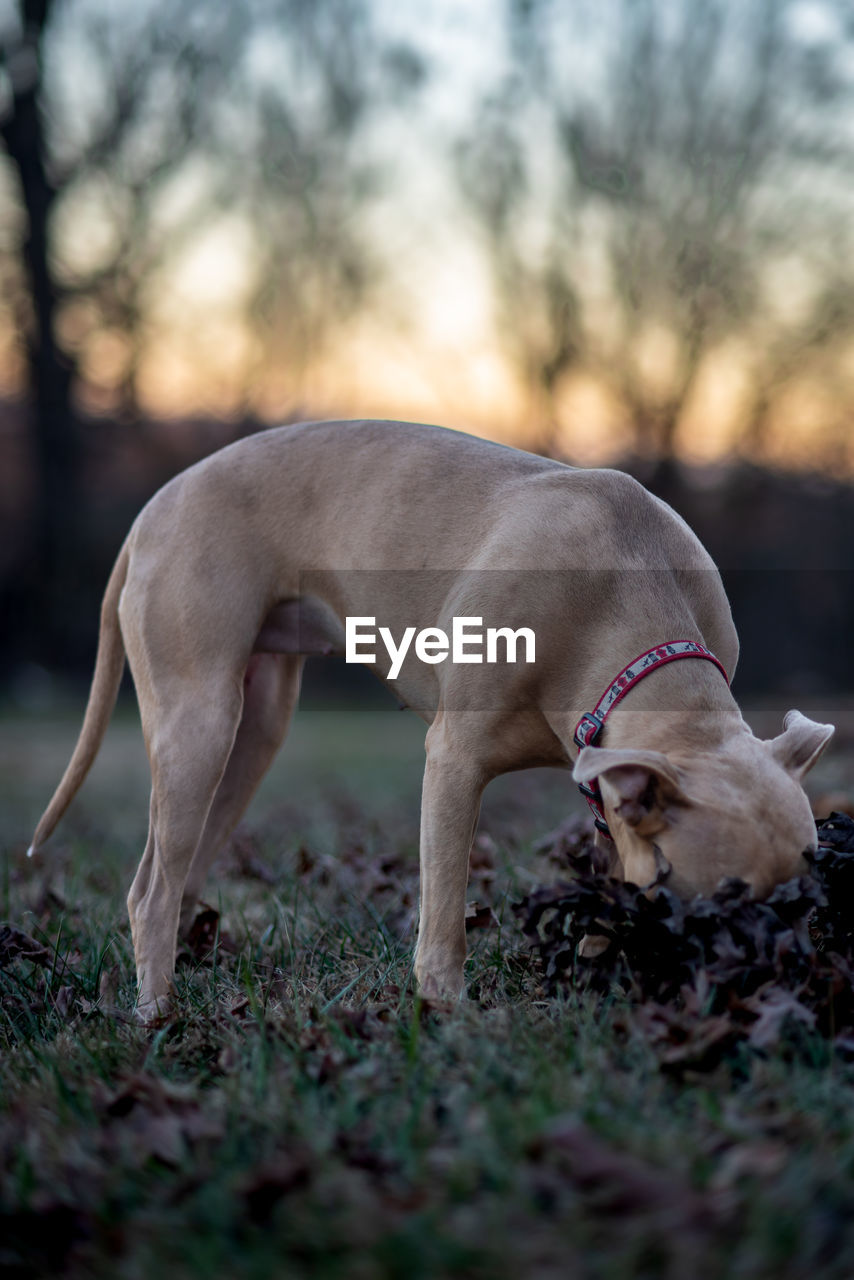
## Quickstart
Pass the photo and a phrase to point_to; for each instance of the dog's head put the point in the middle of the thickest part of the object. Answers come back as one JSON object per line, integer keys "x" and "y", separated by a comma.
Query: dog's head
{"x": 739, "y": 811}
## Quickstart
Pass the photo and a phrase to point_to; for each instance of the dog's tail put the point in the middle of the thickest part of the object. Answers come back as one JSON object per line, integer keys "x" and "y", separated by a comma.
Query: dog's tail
{"x": 106, "y": 679}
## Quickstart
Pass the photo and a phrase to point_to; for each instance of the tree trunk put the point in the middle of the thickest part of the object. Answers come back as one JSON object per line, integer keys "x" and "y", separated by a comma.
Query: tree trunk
{"x": 49, "y": 373}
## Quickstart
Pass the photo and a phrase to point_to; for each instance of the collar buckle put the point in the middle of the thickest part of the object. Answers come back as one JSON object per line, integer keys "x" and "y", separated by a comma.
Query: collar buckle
{"x": 588, "y": 729}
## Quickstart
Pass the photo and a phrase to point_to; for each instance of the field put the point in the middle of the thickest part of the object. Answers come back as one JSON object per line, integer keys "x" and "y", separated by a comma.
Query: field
{"x": 303, "y": 1115}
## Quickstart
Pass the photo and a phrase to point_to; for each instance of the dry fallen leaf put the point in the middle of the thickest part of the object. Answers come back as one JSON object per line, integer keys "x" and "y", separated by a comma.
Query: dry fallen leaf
{"x": 616, "y": 1183}
{"x": 17, "y": 945}
{"x": 711, "y": 973}
{"x": 772, "y": 1008}
{"x": 480, "y": 917}
{"x": 245, "y": 859}
{"x": 161, "y": 1120}
{"x": 271, "y": 1181}
{"x": 762, "y": 1159}
{"x": 205, "y": 935}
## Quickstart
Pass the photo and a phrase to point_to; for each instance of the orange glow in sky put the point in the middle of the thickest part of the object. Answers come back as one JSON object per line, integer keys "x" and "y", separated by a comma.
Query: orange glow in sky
{"x": 429, "y": 342}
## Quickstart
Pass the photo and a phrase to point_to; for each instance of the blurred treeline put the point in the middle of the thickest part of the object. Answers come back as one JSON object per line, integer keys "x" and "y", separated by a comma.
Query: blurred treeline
{"x": 659, "y": 194}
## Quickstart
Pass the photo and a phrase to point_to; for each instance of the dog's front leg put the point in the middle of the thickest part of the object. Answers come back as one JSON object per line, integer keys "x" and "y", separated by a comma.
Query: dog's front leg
{"x": 453, "y": 786}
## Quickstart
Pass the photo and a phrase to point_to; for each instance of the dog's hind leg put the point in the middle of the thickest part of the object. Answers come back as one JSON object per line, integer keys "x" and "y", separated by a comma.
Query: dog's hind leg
{"x": 190, "y": 727}
{"x": 270, "y": 692}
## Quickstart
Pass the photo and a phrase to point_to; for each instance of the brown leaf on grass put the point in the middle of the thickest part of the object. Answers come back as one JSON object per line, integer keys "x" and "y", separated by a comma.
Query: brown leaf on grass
{"x": 306, "y": 860}
{"x": 574, "y": 836}
{"x": 619, "y": 1184}
{"x": 65, "y": 1002}
{"x": 271, "y": 1181}
{"x": 245, "y": 858}
{"x": 324, "y": 1060}
{"x": 324, "y": 1041}
{"x": 205, "y": 935}
{"x": 358, "y": 1148}
{"x": 106, "y": 1003}
{"x": 480, "y": 917}
{"x": 229, "y": 1060}
{"x": 773, "y": 1008}
{"x": 17, "y": 945}
{"x": 761, "y": 1159}
{"x": 318, "y": 868}
{"x": 400, "y": 918}
{"x": 108, "y": 986}
{"x": 684, "y": 1040}
{"x": 711, "y": 973}
{"x": 162, "y": 1120}
{"x": 365, "y": 1023}
{"x": 370, "y": 875}
{"x": 278, "y": 989}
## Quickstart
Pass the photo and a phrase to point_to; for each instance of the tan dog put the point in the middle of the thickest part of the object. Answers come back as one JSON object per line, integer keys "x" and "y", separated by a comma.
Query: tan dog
{"x": 254, "y": 557}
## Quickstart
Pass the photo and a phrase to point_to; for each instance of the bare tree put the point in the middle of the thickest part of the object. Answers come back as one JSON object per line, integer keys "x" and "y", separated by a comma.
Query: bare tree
{"x": 49, "y": 372}
{"x": 641, "y": 175}
{"x": 252, "y": 109}
{"x": 259, "y": 107}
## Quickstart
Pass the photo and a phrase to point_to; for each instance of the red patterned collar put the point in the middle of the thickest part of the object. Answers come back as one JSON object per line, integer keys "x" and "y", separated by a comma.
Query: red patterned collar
{"x": 592, "y": 722}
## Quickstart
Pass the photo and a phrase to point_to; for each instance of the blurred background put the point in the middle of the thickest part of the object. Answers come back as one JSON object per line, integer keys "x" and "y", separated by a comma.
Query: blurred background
{"x": 619, "y": 232}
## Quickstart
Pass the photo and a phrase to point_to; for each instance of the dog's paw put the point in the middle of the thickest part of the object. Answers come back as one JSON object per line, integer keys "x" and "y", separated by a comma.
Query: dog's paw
{"x": 153, "y": 1014}
{"x": 439, "y": 997}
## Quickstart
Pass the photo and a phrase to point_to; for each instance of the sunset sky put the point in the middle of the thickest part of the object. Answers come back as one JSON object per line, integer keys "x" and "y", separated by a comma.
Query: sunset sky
{"x": 428, "y": 343}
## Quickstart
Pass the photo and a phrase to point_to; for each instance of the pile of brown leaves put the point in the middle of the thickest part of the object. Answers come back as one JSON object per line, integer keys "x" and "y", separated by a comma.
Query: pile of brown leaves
{"x": 707, "y": 975}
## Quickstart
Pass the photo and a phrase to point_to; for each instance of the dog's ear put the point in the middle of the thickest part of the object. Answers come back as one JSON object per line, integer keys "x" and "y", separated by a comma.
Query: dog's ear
{"x": 639, "y": 785}
{"x": 801, "y": 743}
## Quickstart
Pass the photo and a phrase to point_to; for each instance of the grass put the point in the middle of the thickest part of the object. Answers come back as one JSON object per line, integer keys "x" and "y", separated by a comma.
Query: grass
{"x": 303, "y": 1116}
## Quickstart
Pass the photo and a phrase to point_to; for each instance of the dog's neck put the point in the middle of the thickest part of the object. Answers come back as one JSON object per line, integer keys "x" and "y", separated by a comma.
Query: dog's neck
{"x": 686, "y": 702}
